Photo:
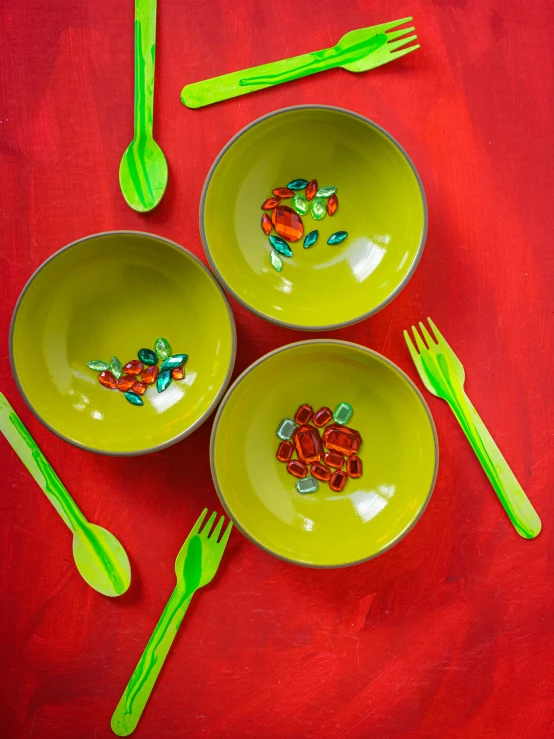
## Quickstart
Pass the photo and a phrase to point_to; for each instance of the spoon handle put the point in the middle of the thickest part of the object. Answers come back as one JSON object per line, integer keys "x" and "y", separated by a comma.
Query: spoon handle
{"x": 34, "y": 460}
{"x": 145, "y": 59}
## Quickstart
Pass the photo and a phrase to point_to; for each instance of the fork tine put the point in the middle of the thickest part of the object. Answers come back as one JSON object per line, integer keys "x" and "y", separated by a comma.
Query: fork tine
{"x": 401, "y": 42}
{"x": 403, "y": 52}
{"x": 226, "y": 535}
{"x": 418, "y": 340}
{"x": 217, "y": 531}
{"x": 411, "y": 348}
{"x": 438, "y": 336}
{"x": 206, "y": 530}
{"x": 427, "y": 336}
{"x": 386, "y": 26}
{"x": 395, "y": 34}
{"x": 196, "y": 528}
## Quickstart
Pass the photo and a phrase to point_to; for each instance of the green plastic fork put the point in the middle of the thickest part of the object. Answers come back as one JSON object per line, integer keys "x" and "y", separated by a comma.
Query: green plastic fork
{"x": 195, "y": 566}
{"x": 357, "y": 51}
{"x": 443, "y": 375}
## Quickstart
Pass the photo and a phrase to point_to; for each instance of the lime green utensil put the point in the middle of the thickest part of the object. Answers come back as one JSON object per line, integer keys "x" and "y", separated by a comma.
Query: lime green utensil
{"x": 143, "y": 168}
{"x": 195, "y": 566}
{"x": 100, "y": 558}
{"x": 443, "y": 375}
{"x": 357, "y": 51}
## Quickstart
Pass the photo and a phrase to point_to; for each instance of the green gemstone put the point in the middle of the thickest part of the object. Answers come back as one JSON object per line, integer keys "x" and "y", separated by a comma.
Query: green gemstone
{"x": 310, "y": 239}
{"x": 298, "y": 184}
{"x": 116, "y": 368}
{"x": 286, "y": 429}
{"x": 307, "y": 485}
{"x": 148, "y": 357}
{"x": 163, "y": 381}
{"x": 337, "y": 238}
{"x": 276, "y": 261}
{"x": 175, "y": 361}
{"x": 163, "y": 349}
{"x": 300, "y": 203}
{"x": 280, "y": 245}
{"x": 98, "y": 365}
{"x": 326, "y": 192}
{"x": 319, "y": 208}
{"x": 343, "y": 413}
{"x": 133, "y": 398}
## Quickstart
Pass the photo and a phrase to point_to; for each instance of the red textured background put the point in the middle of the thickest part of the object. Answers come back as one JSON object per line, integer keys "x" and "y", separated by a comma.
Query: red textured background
{"x": 449, "y": 634}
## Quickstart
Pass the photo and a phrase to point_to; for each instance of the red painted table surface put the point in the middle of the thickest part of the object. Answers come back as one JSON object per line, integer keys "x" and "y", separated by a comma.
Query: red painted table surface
{"x": 449, "y": 634}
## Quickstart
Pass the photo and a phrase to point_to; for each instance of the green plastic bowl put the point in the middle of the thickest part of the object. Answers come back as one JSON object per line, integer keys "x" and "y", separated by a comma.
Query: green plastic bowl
{"x": 381, "y": 205}
{"x": 399, "y": 454}
{"x": 113, "y": 294}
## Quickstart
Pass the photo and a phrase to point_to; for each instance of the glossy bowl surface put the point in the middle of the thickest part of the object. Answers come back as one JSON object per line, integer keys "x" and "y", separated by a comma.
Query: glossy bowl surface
{"x": 381, "y": 205}
{"x": 112, "y": 294}
{"x": 399, "y": 453}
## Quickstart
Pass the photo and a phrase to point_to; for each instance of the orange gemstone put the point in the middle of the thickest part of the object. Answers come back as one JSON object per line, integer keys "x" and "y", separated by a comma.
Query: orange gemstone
{"x": 283, "y": 192}
{"x": 308, "y": 444}
{"x": 107, "y": 380}
{"x": 320, "y": 471}
{"x": 271, "y": 203}
{"x": 334, "y": 459}
{"x": 297, "y": 469}
{"x": 284, "y": 453}
{"x": 178, "y": 373}
{"x": 338, "y": 481}
{"x": 323, "y": 416}
{"x": 342, "y": 439}
{"x": 134, "y": 367}
{"x": 139, "y": 388}
{"x": 354, "y": 467}
{"x": 287, "y": 223}
{"x": 303, "y": 414}
{"x": 312, "y": 189}
{"x": 126, "y": 382}
{"x": 332, "y": 204}
{"x": 266, "y": 224}
{"x": 150, "y": 375}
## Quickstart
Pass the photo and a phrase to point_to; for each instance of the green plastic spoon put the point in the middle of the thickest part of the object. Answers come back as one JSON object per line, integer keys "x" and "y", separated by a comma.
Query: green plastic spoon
{"x": 143, "y": 168}
{"x": 100, "y": 558}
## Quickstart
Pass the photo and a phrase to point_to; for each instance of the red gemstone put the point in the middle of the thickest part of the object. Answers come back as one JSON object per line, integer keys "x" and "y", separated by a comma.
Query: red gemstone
{"x": 332, "y": 204}
{"x": 266, "y": 224}
{"x": 320, "y": 471}
{"x": 354, "y": 467}
{"x": 107, "y": 380}
{"x": 311, "y": 190}
{"x": 334, "y": 459}
{"x": 303, "y": 414}
{"x": 178, "y": 373}
{"x": 342, "y": 439}
{"x": 271, "y": 203}
{"x": 297, "y": 469}
{"x": 139, "y": 388}
{"x": 287, "y": 223}
{"x": 126, "y": 382}
{"x": 308, "y": 444}
{"x": 323, "y": 416}
{"x": 134, "y": 367}
{"x": 284, "y": 453}
{"x": 338, "y": 481}
{"x": 150, "y": 375}
{"x": 283, "y": 192}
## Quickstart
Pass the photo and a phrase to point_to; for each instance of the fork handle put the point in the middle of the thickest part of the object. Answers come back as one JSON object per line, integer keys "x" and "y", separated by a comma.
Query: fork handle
{"x": 129, "y": 709}
{"x": 516, "y": 503}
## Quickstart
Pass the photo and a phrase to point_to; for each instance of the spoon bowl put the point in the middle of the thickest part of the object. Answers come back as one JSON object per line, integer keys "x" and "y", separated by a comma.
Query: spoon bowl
{"x": 143, "y": 174}
{"x": 101, "y": 560}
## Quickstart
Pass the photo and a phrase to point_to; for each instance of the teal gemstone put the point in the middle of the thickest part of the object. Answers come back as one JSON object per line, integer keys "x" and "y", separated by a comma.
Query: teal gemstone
{"x": 300, "y": 203}
{"x": 276, "y": 261}
{"x": 162, "y": 348}
{"x": 280, "y": 245}
{"x": 98, "y": 365}
{"x": 298, "y": 184}
{"x": 116, "y": 368}
{"x": 163, "y": 381}
{"x": 326, "y": 192}
{"x": 286, "y": 429}
{"x": 148, "y": 357}
{"x": 319, "y": 208}
{"x": 337, "y": 238}
{"x": 175, "y": 361}
{"x": 307, "y": 485}
{"x": 310, "y": 239}
{"x": 133, "y": 398}
{"x": 343, "y": 413}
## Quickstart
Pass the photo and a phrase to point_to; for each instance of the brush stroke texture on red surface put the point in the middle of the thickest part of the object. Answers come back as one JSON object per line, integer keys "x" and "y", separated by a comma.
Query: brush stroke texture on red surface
{"x": 449, "y": 634}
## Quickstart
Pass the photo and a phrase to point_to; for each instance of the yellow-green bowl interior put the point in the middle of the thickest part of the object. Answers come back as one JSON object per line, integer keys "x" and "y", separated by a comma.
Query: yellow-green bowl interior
{"x": 113, "y": 294}
{"x": 399, "y": 454}
{"x": 381, "y": 206}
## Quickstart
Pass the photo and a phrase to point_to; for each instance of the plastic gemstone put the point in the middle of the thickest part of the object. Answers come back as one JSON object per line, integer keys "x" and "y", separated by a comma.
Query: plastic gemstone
{"x": 174, "y": 361}
{"x": 276, "y": 261}
{"x": 163, "y": 381}
{"x": 337, "y": 238}
{"x": 107, "y": 379}
{"x": 139, "y": 388}
{"x": 343, "y": 413}
{"x": 271, "y": 203}
{"x": 318, "y": 208}
{"x": 322, "y": 417}
{"x": 310, "y": 239}
{"x": 286, "y": 429}
{"x": 280, "y": 245}
{"x": 311, "y": 190}
{"x": 149, "y": 375}
{"x": 325, "y": 192}
{"x": 266, "y": 224}
{"x": 283, "y": 192}
{"x": 354, "y": 467}
{"x": 332, "y": 204}
{"x": 296, "y": 468}
{"x": 148, "y": 357}
{"x": 284, "y": 453}
{"x": 162, "y": 348}
{"x": 98, "y": 366}
{"x": 178, "y": 373}
{"x": 116, "y": 367}
{"x": 334, "y": 459}
{"x": 287, "y": 223}
{"x": 134, "y": 367}
{"x": 134, "y": 399}
{"x": 298, "y": 184}
{"x": 342, "y": 439}
{"x": 300, "y": 204}
{"x": 308, "y": 444}
{"x": 303, "y": 414}
{"x": 320, "y": 471}
{"x": 338, "y": 481}
{"x": 307, "y": 485}
{"x": 126, "y": 382}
